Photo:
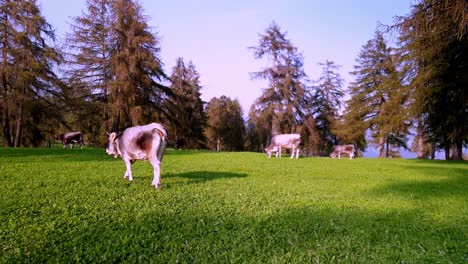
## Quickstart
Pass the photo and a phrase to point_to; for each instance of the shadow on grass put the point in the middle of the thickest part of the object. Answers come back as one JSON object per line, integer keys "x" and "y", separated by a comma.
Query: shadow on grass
{"x": 205, "y": 176}
{"x": 197, "y": 235}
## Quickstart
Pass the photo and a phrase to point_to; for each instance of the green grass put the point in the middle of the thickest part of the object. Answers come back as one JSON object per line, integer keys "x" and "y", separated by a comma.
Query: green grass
{"x": 74, "y": 206}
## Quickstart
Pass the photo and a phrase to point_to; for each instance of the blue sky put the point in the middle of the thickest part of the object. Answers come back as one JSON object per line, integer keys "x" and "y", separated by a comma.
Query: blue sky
{"x": 215, "y": 35}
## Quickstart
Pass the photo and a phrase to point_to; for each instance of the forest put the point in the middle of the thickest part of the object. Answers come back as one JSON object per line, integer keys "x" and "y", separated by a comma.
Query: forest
{"x": 108, "y": 75}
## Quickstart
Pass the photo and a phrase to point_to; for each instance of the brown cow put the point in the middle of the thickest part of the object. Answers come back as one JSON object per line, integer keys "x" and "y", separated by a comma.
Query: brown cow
{"x": 71, "y": 138}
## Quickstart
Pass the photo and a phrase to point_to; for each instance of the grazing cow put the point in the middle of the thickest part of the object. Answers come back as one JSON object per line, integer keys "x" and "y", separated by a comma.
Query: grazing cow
{"x": 71, "y": 138}
{"x": 139, "y": 143}
{"x": 289, "y": 141}
{"x": 346, "y": 149}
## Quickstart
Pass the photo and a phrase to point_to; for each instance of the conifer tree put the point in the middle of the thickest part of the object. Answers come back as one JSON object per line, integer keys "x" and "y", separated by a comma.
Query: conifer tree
{"x": 286, "y": 99}
{"x": 136, "y": 92}
{"x": 327, "y": 102}
{"x": 225, "y": 126}
{"x": 27, "y": 59}
{"x": 90, "y": 74}
{"x": 116, "y": 67}
{"x": 378, "y": 97}
{"x": 186, "y": 106}
{"x": 434, "y": 40}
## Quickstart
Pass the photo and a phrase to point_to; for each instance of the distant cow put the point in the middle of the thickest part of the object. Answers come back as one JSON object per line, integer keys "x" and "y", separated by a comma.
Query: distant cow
{"x": 346, "y": 149}
{"x": 288, "y": 141}
{"x": 71, "y": 138}
{"x": 146, "y": 142}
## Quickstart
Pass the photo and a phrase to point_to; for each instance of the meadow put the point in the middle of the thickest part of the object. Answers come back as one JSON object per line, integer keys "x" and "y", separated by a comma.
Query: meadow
{"x": 71, "y": 206}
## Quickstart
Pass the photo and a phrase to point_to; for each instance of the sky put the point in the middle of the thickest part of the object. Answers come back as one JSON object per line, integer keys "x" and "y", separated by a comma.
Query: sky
{"x": 215, "y": 35}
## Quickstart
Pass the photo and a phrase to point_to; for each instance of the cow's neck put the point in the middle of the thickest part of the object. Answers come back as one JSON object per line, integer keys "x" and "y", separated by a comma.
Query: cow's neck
{"x": 117, "y": 146}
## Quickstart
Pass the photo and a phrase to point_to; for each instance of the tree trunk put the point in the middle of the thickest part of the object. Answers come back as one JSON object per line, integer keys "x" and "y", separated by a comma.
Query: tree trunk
{"x": 457, "y": 152}
{"x": 420, "y": 141}
{"x": 381, "y": 147}
{"x": 5, "y": 125}
{"x": 3, "y": 92}
{"x": 49, "y": 142}
{"x": 217, "y": 144}
{"x": 447, "y": 149}
{"x": 19, "y": 126}
{"x": 116, "y": 123}
{"x": 387, "y": 150}
{"x": 457, "y": 142}
{"x": 433, "y": 151}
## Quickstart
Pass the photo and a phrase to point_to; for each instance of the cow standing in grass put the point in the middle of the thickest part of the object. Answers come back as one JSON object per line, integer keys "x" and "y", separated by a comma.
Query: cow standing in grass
{"x": 288, "y": 141}
{"x": 343, "y": 149}
{"x": 71, "y": 138}
{"x": 146, "y": 142}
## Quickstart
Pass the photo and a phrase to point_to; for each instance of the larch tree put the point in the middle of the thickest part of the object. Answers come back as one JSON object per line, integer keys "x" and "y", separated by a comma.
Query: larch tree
{"x": 186, "y": 106}
{"x": 136, "y": 91}
{"x": 89, "y": 51}
{"x": 225, "y": 128}
{"x": 434, "y": 42}
{"x": 116, "y": 70}
{"x": 285, "y": 101}
{"x": 327, "y": 100}
{"x": 27, "y": 79}
{"x": 377, "y": 96}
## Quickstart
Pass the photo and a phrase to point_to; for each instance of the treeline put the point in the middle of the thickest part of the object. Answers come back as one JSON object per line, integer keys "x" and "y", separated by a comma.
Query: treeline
{"x": 108, "y": 75}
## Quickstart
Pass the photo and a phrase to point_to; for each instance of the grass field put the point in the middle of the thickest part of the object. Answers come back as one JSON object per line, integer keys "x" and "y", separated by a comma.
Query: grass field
{"x": 74, "y": 206}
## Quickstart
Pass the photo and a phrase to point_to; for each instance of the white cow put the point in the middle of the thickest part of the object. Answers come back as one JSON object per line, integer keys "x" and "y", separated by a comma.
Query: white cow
{"x": 139, "y": 143}
{"x": 289, "y": 141}
{"x": 346, "y": 149}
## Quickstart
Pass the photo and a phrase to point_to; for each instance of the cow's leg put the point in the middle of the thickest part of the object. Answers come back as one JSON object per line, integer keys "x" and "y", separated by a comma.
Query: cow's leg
{"x": 64, "y": 145}
{"x": 339, "y": 155}
{"x": 292, "y": 152}
{"x": 297, "y": 153}
{"x": 278, "y": 154}
{"x": 157, "y": 170}
{"x": 128, "y": 173}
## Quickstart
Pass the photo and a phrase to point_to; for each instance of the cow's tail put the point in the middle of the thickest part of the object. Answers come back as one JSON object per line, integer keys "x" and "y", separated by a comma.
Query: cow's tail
{"x": 161, "y": 131}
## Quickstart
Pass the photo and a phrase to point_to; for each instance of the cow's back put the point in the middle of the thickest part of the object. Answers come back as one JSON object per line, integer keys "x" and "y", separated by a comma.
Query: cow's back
{"x": 282, "y": 139}
{"x": 136, "y": 139}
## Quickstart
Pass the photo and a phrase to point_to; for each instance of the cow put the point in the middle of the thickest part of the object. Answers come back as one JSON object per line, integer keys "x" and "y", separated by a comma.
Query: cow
{"x": 346, "y": 149}
{"x": 71, "y": 138}
{"x": 146, "y": 142}
{"x": 288, "y": 141}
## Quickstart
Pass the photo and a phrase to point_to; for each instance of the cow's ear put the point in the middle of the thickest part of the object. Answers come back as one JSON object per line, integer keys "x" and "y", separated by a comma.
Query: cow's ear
{"x": 112, "y": 136}
{"x": 108, "y": 134}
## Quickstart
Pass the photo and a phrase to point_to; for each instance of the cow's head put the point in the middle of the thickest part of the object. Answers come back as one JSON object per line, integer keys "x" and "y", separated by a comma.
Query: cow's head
{"x": 111, "y": 148}
{"x": 59, "y": 137}
{"x": 270, "y": 149}
{"x": 268, "y": 152}
{"x": 334, "y": 154}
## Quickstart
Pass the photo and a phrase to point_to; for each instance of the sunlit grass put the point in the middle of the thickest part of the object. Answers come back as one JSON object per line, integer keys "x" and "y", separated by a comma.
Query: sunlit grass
{"x": 74, "y": 206}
